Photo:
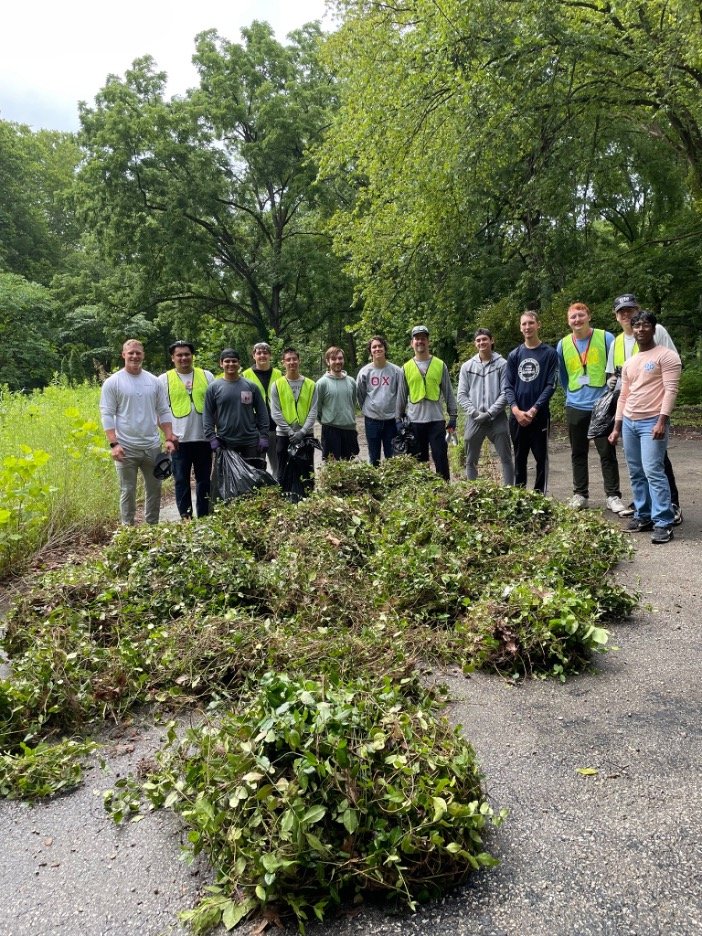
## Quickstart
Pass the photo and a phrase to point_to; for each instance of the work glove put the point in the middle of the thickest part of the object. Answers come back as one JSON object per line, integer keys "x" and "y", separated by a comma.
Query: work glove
{"x": 451, "y": 425}
{"x": 612, "y": 382}
{"x": 399, "y": 424}
{"x": 215, "y": 444}
{"x": 297, "y": 436}
{"x": 263, "y": 442}
{"x": 480, "y": 418}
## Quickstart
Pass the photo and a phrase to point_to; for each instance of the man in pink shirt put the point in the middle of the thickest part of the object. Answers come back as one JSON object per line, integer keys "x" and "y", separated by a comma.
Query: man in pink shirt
{"x": 649, "y": 387}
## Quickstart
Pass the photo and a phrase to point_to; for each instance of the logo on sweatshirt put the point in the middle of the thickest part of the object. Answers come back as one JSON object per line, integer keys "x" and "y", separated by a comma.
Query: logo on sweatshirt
{"x": 528, "y": 370}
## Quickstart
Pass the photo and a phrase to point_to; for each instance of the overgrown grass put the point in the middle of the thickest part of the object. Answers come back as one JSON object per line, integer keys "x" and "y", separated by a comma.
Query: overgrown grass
{"x": 56, "y": 476}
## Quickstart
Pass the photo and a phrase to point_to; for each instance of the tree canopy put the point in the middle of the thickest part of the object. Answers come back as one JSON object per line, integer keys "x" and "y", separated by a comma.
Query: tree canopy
{"x": 207, "y": 205}
{"x": 519, "y": 153}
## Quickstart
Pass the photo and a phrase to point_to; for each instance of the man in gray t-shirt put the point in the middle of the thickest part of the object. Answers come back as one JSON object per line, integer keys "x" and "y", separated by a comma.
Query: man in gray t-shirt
{"x": 133, "y": 407}
{"x": 235, "y": 415}
{"x": 377, "y": 384}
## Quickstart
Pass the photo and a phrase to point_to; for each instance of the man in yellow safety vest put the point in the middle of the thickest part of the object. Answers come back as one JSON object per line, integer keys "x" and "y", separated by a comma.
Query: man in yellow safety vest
{"x": 185, "y": 386}
{"x": 264, "y": 375}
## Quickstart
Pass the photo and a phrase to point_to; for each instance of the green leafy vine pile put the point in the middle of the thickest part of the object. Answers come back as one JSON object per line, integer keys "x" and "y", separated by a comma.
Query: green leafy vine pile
{"x": 306, "y": 623}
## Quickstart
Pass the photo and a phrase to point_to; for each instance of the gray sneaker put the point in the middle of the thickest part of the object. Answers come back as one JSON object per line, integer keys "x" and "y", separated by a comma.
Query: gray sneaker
{"x": 662, "y": 535}
{"x": 578, "y": 502}
{"x": 678, "y": 515}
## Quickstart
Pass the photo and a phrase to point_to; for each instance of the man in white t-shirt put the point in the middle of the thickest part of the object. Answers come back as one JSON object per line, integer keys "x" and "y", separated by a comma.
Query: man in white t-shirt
{"x": 133, "y": 407}
{"x": 185, "y": 387}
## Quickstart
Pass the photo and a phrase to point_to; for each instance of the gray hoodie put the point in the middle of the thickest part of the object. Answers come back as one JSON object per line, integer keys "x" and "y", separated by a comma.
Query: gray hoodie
{"x": 481, "y": 386}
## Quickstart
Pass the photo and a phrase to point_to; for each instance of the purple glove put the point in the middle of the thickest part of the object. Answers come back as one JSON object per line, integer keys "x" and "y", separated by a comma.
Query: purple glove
{"x": 263, "y": 443}
{"x": 215, "y": 444}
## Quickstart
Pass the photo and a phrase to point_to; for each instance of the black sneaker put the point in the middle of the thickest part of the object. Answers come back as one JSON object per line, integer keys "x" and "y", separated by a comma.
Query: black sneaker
{"x": 678, "y": 515}
{"x": 638, "y": 526}
{"x": 662, "y": 535}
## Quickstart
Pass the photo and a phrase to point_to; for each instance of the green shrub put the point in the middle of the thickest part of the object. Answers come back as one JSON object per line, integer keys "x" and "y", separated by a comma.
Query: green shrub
{"x": 56, "y": 434}
{"x": 319, "y": 792}
{"x": 690, "y": 391}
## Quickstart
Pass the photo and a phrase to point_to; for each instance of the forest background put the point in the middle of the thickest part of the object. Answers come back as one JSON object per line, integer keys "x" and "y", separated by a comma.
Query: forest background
{"x": 451, "y": 163}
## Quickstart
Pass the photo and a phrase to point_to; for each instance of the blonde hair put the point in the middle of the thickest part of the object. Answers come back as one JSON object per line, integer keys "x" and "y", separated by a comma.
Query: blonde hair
{"x": 132, "y": 343}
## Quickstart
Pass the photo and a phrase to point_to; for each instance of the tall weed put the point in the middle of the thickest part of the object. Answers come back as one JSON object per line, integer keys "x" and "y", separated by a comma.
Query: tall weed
{"x": 56, "y": 475}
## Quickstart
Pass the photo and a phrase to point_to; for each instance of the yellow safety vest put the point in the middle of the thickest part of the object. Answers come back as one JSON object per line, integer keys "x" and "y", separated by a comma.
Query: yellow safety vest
{"x": 295, "y": 412}
{"x": 595, "y": 364}
{"x": 179, "y": 399}
{"x": 619, "y": 359}
{"x": 424, "y": 386}
{"x": 275, "y": 375}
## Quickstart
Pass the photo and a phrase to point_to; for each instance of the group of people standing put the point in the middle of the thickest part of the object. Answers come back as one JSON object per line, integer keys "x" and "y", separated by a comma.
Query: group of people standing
{"x": 266, "y": 413}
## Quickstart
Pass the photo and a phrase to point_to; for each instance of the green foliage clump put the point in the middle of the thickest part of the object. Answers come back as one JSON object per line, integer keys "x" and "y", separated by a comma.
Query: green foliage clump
{"x": 317, "y": 792}
{"x": 56, "y": 477}
{"x": 361, "y": 580}
{"x": 44, "y": 770}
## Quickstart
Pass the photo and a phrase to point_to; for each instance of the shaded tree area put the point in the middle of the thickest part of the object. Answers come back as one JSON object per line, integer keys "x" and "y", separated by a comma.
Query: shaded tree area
{"x": 518, "y": 154}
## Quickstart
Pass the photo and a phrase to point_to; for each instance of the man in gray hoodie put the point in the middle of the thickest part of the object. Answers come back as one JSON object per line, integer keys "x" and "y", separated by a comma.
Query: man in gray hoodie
{"x": 481, "y": 395}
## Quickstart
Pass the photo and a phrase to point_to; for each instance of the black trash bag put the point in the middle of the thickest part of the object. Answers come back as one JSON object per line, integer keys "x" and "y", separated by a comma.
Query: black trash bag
{"x": 233, "y": 476}
{"x": 405, "y": 442}
{"x": 602, "y": 419}
{"x": 297, "y": 479}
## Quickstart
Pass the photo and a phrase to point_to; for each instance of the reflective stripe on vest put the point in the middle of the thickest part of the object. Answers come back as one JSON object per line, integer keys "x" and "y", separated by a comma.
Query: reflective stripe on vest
{"x": 596, "y": 360}
{"x": 619, "y": 359}
{"x": 275, "y": 375}
{"x": 295, "y": 412}
{"x": 424, "y": 386}
{"x": 179, "y": 399}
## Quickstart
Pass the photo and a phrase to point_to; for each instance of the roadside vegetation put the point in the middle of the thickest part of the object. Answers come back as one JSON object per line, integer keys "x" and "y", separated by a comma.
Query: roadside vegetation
{"x": 300, "y": 631}
{"x": 57, "y": 481}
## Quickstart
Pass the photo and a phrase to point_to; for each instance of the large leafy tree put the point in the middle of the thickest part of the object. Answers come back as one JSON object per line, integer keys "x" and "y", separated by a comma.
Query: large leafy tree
{"x": 27, "y": 333}
{"x": 206, "y": 206}
{"x": 508, "y": 150}
{"x": 37, "y": 229}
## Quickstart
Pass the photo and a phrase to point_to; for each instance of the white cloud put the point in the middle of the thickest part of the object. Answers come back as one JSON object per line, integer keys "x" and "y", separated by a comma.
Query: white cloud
{"x": 53, "y": 55}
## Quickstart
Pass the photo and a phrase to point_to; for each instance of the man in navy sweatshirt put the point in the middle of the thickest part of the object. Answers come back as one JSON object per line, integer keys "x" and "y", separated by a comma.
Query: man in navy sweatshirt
{"x": 530, "y": 382}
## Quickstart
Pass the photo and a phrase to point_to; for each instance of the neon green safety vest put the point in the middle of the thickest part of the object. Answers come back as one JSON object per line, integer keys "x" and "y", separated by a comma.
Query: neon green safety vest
{"x": 275, "y": 375}
{"x": 178, "y": 397}
{"x": 596, "y": 360}
{"x": 424, "y": 386}
{"x": 619, "y": 359}
{"x": 295, "y": 412}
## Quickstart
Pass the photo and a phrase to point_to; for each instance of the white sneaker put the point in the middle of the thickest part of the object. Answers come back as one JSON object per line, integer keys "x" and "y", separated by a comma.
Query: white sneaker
{"x": 578, "y": 502}
{"x": 616, "y": 504}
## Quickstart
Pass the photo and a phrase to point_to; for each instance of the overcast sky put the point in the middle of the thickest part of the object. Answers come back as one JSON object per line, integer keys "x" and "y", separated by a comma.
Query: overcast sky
{"x": 54, "y": 54}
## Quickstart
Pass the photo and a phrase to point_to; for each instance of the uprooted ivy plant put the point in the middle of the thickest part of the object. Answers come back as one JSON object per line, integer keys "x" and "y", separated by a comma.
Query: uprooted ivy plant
{"x": 317, "y": 793}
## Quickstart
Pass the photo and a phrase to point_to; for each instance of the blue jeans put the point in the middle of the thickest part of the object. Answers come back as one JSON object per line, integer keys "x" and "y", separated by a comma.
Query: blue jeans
{"x": 197, "y": 457}
{"x": 645, "y": 458}
{"x": 379, "y": 432}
